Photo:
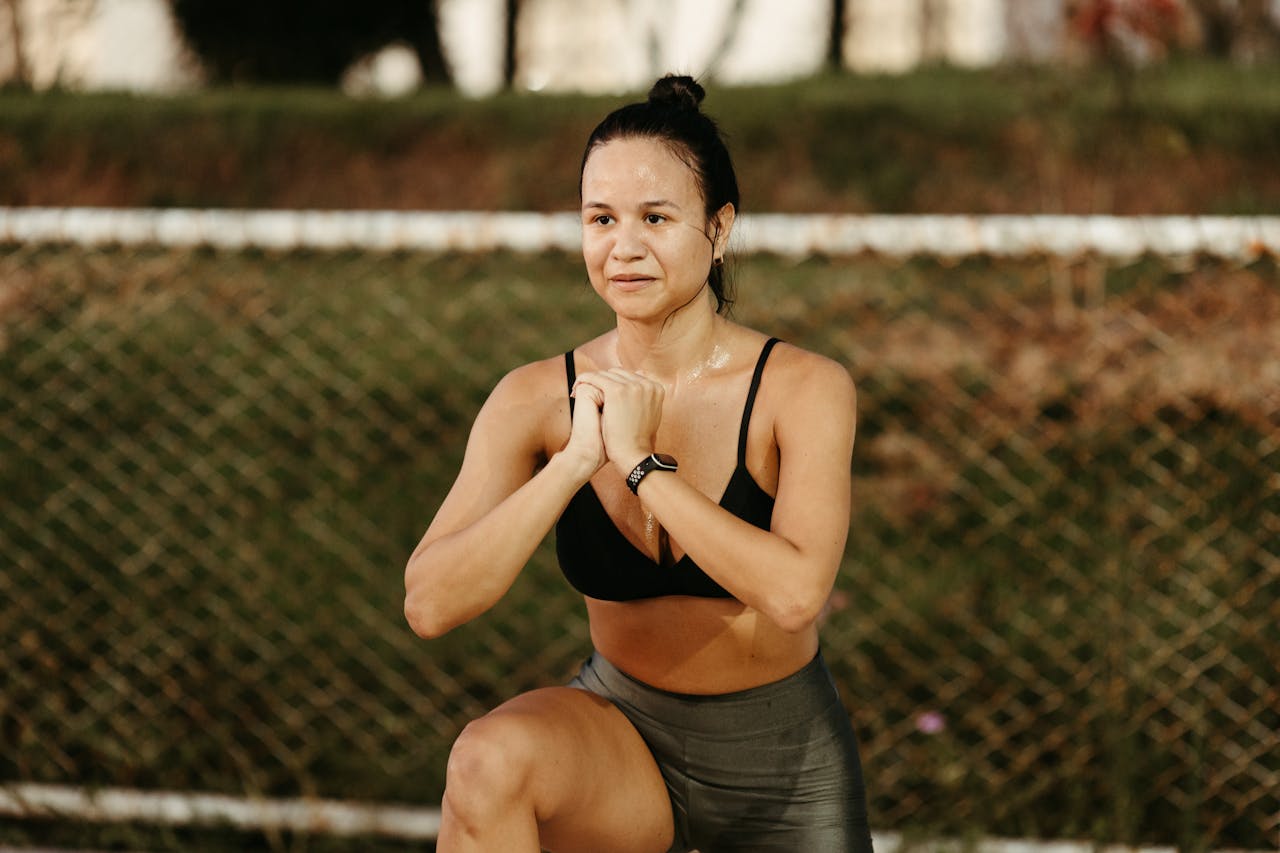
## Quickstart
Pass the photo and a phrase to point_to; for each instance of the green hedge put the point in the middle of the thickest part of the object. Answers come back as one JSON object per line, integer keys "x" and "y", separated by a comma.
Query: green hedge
{"x": 1196, "y": 138}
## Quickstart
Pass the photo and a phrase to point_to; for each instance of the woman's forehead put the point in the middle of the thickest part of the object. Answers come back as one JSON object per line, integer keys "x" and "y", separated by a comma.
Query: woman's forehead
{"x": 637, "y": 165}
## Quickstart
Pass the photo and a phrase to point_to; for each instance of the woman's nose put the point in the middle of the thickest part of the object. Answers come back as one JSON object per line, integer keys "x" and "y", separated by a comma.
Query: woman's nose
{"x": 628, "y": 245}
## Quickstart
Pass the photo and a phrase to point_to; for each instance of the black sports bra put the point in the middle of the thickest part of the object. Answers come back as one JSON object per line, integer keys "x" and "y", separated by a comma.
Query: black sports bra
{"x": 601, "y": 562}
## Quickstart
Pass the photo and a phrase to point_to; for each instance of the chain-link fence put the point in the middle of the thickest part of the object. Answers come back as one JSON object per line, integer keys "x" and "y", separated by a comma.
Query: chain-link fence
{"x": 1057, "y": 616}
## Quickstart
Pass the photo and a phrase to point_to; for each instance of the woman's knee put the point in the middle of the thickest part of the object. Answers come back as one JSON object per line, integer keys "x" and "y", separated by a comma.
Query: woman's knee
{"x": 490, "y": 764}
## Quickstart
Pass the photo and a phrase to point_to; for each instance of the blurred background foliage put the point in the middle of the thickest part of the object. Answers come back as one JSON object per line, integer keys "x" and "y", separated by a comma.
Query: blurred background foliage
{"x": 1191, "y": 138}
{"x": 314, "y": 41}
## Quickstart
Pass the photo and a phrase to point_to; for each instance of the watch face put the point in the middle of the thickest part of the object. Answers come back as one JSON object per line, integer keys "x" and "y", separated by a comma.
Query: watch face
{"x": 665, "y": 460}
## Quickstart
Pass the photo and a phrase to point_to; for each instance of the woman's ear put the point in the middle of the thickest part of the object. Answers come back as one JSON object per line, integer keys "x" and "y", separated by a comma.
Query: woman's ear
{"x": 722, "y": 222}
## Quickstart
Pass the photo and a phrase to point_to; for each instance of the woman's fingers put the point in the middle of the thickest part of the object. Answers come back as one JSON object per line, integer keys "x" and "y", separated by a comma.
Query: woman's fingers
{"x": 617, "y": 379}
{"x": 584, "y": 390}
{"x": 585, "y": 437}
{"x": 627, "y": 377}
{"x": 630, "y": 391}
{"x": 630, "y": 411}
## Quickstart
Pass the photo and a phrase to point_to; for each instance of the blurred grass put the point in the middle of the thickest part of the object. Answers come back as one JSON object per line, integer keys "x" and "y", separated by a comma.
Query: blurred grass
{"x": 1195, "y": 138}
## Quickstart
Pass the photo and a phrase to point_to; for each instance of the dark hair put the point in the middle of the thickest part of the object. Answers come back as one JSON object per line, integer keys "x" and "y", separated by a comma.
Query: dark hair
{"x": 672, "y": 116}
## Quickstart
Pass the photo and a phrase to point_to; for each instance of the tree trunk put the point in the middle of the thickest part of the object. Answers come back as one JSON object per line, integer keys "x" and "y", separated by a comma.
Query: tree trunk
{"x": 835, "y": 49}
{"x": 509, "y": 52}
{"x": 426, "y": 44}
{"x": 20, "y": 77}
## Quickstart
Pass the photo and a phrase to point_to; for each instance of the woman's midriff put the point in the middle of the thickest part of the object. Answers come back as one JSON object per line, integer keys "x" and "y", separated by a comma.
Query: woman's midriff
{"x": 697, "y": 645}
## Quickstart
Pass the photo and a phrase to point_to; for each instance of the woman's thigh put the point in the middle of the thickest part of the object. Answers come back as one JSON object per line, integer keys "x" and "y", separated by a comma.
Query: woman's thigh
{"x": 771, "y": 768}
{"x": 593, "y": 783}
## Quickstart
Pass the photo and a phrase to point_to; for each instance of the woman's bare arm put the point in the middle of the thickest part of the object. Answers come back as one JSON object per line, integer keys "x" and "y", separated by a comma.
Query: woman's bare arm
{"x": 499, "y": 508}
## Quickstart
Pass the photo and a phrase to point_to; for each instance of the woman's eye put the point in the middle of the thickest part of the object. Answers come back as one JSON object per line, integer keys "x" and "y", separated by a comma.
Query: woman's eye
{"x": 603, "y": 219}
{"x": 655, "y": 219}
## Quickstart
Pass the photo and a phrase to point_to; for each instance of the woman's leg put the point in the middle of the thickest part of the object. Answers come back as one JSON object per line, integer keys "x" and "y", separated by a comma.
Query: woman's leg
{"x": 558, "y": 769}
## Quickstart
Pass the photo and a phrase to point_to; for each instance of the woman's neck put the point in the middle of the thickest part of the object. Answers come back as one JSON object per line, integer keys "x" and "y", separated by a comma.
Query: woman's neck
{"x": 676, "y": 351}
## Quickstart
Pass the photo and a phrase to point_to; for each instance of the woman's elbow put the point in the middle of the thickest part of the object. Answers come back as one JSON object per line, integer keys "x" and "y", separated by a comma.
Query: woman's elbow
{"x": 421, "y": 608}
{"x": 420, "y": 619}
{"x": 798, "y": 612}
{"x": 426, "y": 620}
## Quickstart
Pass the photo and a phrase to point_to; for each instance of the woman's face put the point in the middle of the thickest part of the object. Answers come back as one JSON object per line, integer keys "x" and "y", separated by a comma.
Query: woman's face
{"x": 645, "y": 238}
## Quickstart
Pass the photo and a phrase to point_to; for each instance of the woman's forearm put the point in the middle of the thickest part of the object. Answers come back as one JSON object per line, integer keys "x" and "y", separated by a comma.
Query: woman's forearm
{"x": 762, "y": 569}
{"x": 457, "y": 576}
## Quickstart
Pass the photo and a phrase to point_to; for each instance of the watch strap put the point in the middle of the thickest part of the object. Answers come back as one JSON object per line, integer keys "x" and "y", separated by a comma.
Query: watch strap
{"x": 652, "y": 462}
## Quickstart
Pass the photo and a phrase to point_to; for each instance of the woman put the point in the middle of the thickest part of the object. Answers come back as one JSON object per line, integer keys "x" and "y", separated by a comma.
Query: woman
{"x": 697, "y": 475}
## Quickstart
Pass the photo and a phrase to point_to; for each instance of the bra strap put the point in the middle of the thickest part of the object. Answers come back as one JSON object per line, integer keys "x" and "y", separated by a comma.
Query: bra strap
{"x": 571, "y": 372}
{"x": 751, "y": 400}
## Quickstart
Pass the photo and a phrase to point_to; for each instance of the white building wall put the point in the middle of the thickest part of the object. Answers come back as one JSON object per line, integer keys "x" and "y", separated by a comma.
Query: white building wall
{"x": 603, "y": 46}
{"x": 884, "y": 35}
{"x": 623, "y": 45}
{"x": 472, "y": 34}
{"x": 97, "y": 44}
{"x": 1035, "y": 30}
{"x": 55, "y": 40}
{"x": 975, "y": 32}
{"x": 778, "y": 42}
{"x": 135, "y": 45}
{"x": 590, "y": 47}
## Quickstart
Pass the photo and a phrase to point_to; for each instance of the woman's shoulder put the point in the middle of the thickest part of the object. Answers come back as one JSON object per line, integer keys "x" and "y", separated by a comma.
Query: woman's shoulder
{"x": 529, "y": 406}
{"x": 801, "y": 387}
{"x": 536, "y": 380}
{"x": 808, "y": 393}
{"x": 547, "y": 379}
{"x": 792, "y": 366}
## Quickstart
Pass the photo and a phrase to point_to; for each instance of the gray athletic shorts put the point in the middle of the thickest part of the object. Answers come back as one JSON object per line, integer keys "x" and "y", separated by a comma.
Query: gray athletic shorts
{"x": 771, "y": 768}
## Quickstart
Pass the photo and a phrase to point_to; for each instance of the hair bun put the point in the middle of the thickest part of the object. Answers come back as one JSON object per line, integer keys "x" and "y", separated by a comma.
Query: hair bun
{"x": 681, "y": 92}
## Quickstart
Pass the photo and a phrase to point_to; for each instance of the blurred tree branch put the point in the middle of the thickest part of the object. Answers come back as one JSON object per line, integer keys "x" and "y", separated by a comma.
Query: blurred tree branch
{"x": 1126, "y": 33}
{"x": 1245, "y": 30}
{"x": 728, "y": 35}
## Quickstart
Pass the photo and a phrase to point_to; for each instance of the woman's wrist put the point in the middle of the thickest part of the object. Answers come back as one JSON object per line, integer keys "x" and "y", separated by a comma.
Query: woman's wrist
{"x": 572, "y": 467}
{"x": 626, "y": 460}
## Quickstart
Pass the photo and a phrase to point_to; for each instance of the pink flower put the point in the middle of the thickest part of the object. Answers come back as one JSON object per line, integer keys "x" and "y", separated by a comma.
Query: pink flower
{"x": 930, "y": 722}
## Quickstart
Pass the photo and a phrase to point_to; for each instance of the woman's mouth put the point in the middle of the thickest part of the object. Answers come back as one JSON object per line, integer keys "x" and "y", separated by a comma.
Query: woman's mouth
{"x": 630, "y": 281}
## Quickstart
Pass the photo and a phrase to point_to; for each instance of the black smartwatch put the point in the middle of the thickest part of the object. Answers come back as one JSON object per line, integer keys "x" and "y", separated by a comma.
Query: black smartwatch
{"x": 652, "y": 462}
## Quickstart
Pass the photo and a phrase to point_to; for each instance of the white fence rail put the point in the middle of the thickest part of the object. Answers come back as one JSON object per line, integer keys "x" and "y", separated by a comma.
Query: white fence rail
{"x": 1239, "y": 237}
{"x": 333, "y": 817}
{"x": 192, "y": 808}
